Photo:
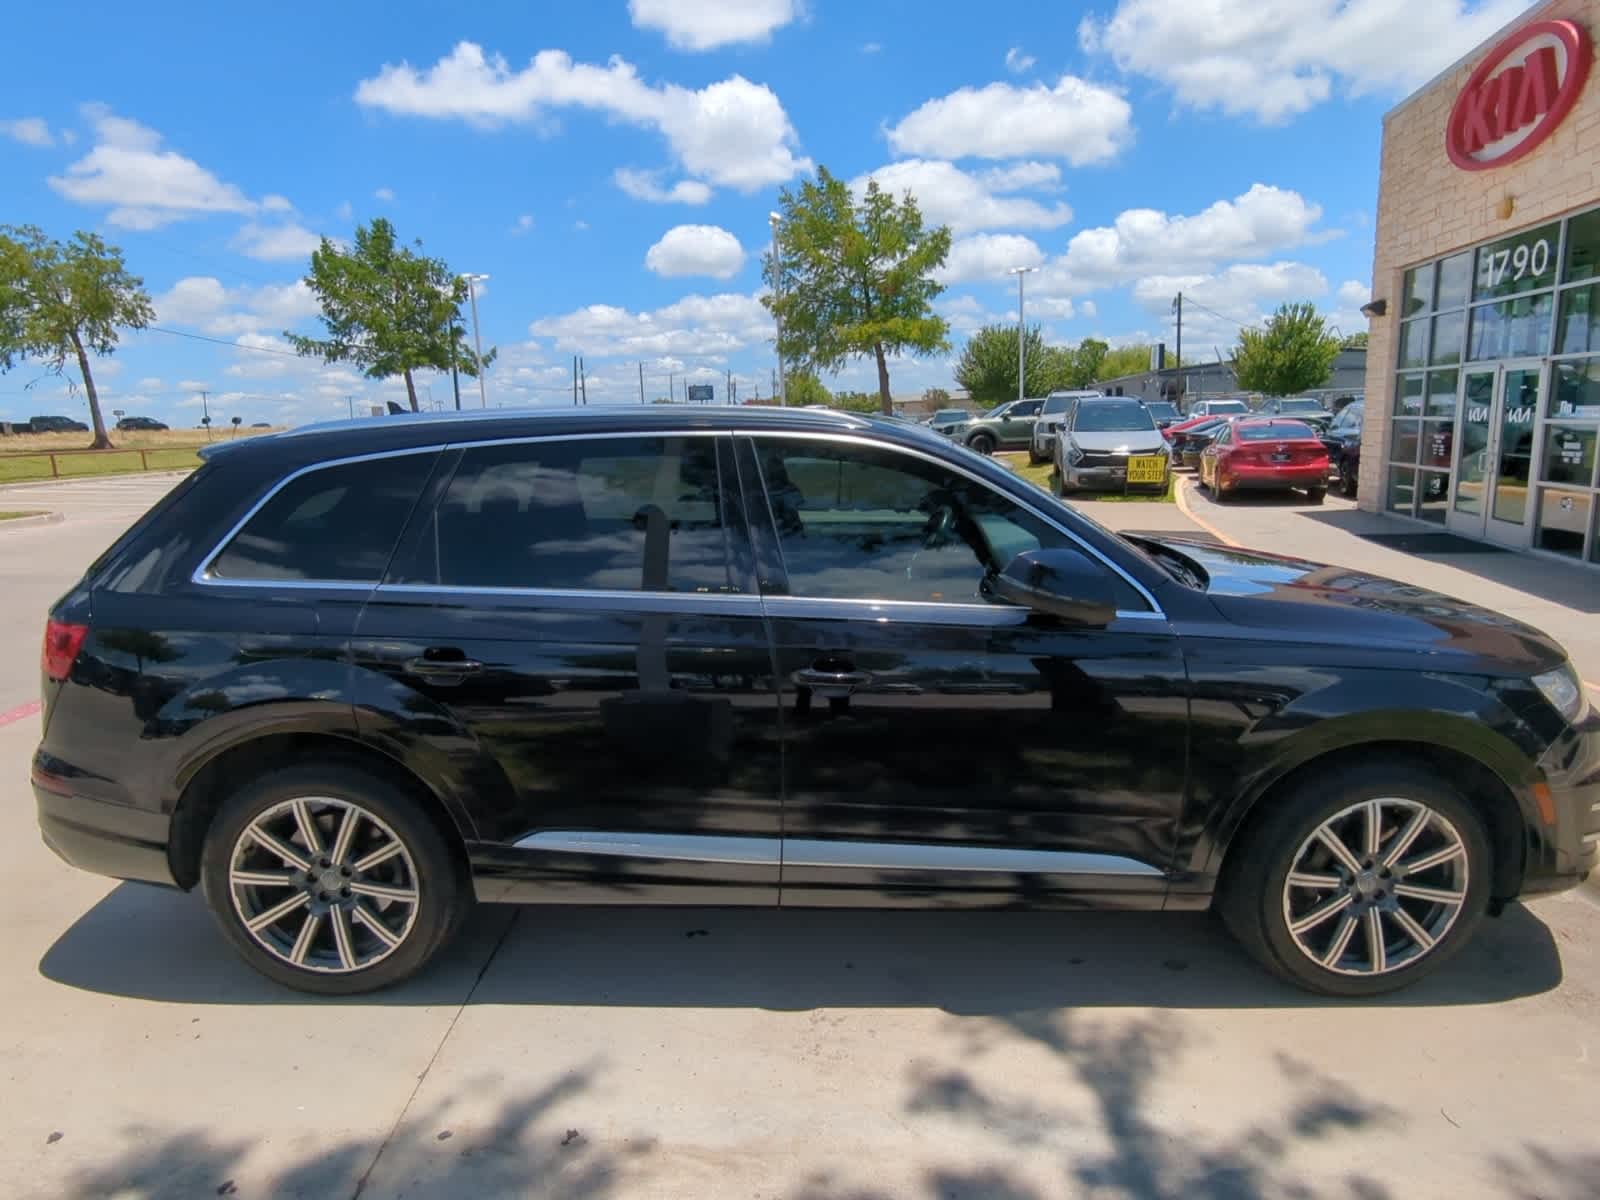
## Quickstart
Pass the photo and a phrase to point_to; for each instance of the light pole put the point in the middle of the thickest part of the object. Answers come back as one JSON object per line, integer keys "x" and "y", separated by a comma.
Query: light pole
{"x": 774, "y": 220}
{"x": 477, "y": 342}
{"x": 1022, "y": 329}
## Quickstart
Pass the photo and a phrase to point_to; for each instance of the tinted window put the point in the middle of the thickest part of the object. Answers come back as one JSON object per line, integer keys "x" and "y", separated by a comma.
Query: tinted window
{"x": 1273, "y": 431}
{"x": 1111, "y": 417}
{"x": 1349, "y": 421}
{"x": 1300, "y": 406}
{"x": 1162, "y": 411}
{"x": 337, "y": 523}
{"x": 950, "y": 414}
{"x": 867, "y": 523}
{"x": 602, "y": 514}
{"x": 1226, "y": 406}
{"x": 1027, "y": 408}
{"x": 1055, "y": 404}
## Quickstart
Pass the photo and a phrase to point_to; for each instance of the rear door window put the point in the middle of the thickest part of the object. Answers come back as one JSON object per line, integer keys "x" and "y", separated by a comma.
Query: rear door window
{"x": 332, "y": 524}
{"x": 584, "y": 514}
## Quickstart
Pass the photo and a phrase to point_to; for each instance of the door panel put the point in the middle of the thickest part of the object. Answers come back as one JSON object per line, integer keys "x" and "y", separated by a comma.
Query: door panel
{"x": 919, "y": 715}
{"x": 1516, "y": 407}
{"x": 580, "y": 617}
{"x": 1472, "y": 450}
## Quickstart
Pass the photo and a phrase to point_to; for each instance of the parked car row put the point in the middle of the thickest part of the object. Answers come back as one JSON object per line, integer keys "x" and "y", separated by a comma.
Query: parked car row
{"x": 56, "y": 424}
{"x": 1264, "y": 454}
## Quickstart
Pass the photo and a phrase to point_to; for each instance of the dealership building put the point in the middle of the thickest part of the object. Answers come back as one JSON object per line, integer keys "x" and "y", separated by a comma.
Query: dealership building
{"x": 1483, "y": 370}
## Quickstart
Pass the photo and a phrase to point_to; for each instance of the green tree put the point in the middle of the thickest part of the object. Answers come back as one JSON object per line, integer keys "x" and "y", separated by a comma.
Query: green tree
{"x": 1127, "y": 360}
{"x": 854, "y": 279}
{"x": 1087, "y": 361}
{"x": 388, "y": 309}
{"x": 66, "y": 300}
{"x": 1356, "y": 341}
{"x": 936, "y": 397}
{"x": 1293, "y": 353}
{"x": 857, "y": 402}
{"x": 802, "y": 387}
{"x": 987, "y": 367}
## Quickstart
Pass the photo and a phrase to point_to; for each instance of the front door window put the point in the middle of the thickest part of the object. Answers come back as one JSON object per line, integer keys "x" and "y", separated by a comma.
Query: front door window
{"x": 1518, "y": 405}
{"x": 1473, "y": 446}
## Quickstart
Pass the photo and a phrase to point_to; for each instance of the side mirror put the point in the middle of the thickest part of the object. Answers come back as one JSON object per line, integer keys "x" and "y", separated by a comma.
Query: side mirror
{"x": 1063, "y": 583}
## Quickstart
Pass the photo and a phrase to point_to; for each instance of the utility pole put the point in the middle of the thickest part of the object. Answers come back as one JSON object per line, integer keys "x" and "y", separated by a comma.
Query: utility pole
{"x": 583, "y": 382}
{"x": 205, "y": 410}
{"x": 779, "y": 391}
{"x": 1022, "y": 329}
{"x": 1177, "y": 307}
{"x": 477, "y": 341}
{"x": 641, "y": 383}
{"x": 574, "y": 381}
{"x": 455, "y": 378}
{"x": 351, "y": 401}
{"x": 672, "y": 388}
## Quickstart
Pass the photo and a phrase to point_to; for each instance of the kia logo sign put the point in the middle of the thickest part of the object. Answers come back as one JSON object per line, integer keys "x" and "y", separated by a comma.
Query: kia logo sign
{"x": 1518, "y": 95}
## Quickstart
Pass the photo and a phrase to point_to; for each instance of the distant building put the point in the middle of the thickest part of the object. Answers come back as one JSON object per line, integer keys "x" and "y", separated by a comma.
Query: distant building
{"x": 1184, "y": 386}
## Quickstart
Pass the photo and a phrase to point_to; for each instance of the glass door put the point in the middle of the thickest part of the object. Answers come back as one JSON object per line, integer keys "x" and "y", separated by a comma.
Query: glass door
{"x": 1494, "y": 451}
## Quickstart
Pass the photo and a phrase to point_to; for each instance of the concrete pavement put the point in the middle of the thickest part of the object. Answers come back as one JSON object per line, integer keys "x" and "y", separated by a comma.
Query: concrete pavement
{"x": 785, "y": 1054}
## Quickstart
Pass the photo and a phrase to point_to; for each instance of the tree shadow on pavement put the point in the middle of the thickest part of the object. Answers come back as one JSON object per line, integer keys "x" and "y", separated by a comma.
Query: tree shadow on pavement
{"x": 154, "y": 945}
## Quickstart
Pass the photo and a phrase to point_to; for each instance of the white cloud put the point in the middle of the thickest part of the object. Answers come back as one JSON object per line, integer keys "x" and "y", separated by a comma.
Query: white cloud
{"x": 273, "y": 242}
{"x": 1076, "y": 120}
{"x": 344, "y": 212}
{"x": 696, "y": 250}
{"x": 148, "y": 187}
{"x": 1353, "y": 293}
{"x": 30, "y": 131}
{"x": 695, "y": 327}
{"x": 872, "y": 48}
{"x": 1019, "y": 63}
{"x": 386, "y": 195}
{"x": 1217, "y": 304}
{"x": 988, "y": 256}
{"x": 965, "y": 314}
{"x": 202, "y": 302}
{"x": 1262, "y": 221}
{"x": 950, "y": 196}
{"x": 733, "y": 133}
{"x": 1272, "y": 59}
{"x": 580, "y": 225}
{"x": 276, "y": 204}
{"x": 707, "y": 24}
{"x": 523, "y": 225}
{"x": 646, "y": 185}
{"x": 150, "y": 383}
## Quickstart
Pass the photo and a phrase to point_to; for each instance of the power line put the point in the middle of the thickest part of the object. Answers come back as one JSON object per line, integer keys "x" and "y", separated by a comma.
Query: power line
{"x": 1192, "y": 302}
{"x": 200, "y": 337}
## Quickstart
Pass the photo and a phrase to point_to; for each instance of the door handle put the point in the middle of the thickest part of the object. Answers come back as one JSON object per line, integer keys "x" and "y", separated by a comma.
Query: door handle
{"x": 831, "y": 684}
{"x": 442, "y": 670}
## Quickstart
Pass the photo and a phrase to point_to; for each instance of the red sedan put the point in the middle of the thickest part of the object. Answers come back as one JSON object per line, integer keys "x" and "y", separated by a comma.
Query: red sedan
{"x": 1263, "y": 453}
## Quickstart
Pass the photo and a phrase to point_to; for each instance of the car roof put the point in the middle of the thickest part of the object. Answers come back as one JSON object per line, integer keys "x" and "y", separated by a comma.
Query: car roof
{"x": 403, "y": 431}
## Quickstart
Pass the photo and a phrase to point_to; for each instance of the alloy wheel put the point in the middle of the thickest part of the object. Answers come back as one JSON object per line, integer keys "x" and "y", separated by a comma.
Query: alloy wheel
{"x": 1376, "y": 887}
{"x": 323, "y": 885}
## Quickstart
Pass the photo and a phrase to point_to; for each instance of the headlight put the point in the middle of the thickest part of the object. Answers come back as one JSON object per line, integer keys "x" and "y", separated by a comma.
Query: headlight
{"x": 1074, "y": 453}
{"x": 1565, "y": 693}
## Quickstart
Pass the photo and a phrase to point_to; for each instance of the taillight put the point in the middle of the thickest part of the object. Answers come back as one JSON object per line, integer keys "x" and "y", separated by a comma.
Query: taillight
{"x": 62, "y": 641}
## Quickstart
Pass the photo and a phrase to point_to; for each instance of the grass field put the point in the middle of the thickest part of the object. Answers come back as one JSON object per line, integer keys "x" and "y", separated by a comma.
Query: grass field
{"x": 164, "y": 450}
{"x": 1040, "y": 477}
{"x": 12, "y": 516}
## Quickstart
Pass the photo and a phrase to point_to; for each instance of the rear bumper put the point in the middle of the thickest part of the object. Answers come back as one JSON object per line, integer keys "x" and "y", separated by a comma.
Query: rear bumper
{"x": 105, "y": 839}
{"x": 1269, "y": 477}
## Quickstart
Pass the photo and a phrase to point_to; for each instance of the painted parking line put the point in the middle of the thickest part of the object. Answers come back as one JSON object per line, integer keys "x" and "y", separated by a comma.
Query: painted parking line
{"x": 22, "y": 711}
{"x": 1182, "y": 497}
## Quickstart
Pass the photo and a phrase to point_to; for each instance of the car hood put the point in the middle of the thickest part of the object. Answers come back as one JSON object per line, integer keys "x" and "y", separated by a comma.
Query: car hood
{"x": 1134, "y": 441}
{"x": 1278, "y": 594}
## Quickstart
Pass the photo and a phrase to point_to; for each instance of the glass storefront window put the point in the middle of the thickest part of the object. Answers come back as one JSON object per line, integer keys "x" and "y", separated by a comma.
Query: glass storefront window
{"x": 1402, "y": 490}
{"x": 1579, "y": 328}
{"x": 1437, "y": 437}
{"x": 1403, "y": 442}
{"x": 1442, "y": 393}
{"x": 1583, "y": 248}
{"x": 1563, "y": 521}
{"x": 1408, "y": 396}
{"x": 1435, "y": 492}
{"x": 1512, "y": 329}
{"x": 1418, "y": 291}
{"x": 1448, "y": 332}
{"x": 1569, "y": 455}
{"x": 1523, "y": 262}
{"x": 1455, "y": 278}
{"x": 1577, "y": 390}
{"x": 1413, "y": 344}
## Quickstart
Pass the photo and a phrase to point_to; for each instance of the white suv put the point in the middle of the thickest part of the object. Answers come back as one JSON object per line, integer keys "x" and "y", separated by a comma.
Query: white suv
{"x": 1043, "y": 444}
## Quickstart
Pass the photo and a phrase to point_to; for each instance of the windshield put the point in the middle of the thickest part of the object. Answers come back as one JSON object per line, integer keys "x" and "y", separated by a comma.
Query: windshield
{"x": 1227, "y": 406}
{"x": 1350, "y": 418}
{"x": 1161, "y": 410}
{"x": 1055, "y": 404}
{"x": 950, "y": 414}
{"x": 1101, "y": 417}
{"x": 999, "y": 409}
{"x": 1270, "y": 431}
{"x": 1301, "y": 406}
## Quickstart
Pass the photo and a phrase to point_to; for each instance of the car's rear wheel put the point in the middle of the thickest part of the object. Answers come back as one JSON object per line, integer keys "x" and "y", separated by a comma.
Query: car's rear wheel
{"x": 1347, "y": 480}
{"x": 329, "y": 879}
{"x": 1360, "y": 882}
{"x": 982, "y": 443}
{"x": 1316, "y": 495}
{"x": 1035, "y": 459}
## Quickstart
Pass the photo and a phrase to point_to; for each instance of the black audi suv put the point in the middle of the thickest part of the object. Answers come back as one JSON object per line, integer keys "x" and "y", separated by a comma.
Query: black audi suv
{"x": 350, "y": 679}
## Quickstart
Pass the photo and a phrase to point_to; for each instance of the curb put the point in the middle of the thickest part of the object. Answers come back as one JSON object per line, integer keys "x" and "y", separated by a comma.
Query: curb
{"x": 44, "y": 518}
{"x": 1181, "y": 495}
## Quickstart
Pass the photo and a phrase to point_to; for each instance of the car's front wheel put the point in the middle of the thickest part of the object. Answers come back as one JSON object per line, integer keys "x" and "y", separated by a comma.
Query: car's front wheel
{"x": 1359, "y": 882}
{"x": 329, "y": 879}
{"x": 1347, "y": 479}
{"x": 983, "y": 443}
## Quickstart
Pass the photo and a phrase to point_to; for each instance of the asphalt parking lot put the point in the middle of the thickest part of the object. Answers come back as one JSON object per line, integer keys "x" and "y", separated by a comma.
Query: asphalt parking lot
{"x": 784, "y": 1054}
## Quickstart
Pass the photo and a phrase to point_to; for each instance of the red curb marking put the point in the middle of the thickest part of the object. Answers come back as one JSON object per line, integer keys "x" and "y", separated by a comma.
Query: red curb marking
{"x": 22, "y": 710}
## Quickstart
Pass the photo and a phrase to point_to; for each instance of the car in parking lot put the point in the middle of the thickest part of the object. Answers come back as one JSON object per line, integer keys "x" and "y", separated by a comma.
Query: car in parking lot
{"x": 1109, "y": 442}
{"x": 1164, "y": 412}
{"x": 1342, "y": 440}
{"x": 1187, "y": 443}
{"x": 349, "y": 679}
{"x": 1265, "y": 454}
{"x": 1042, "y": 445}
{"x": 1006, "y": 426}
{"x": 56, "y": 425}
{"x": 1218, "y": 408}
{"x": 1301, "y": 408}
{"x": 942, "y": 420}
{"x": 136, "y": 424}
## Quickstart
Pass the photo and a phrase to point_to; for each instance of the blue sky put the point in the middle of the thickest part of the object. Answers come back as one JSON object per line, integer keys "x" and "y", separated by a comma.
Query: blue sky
{"x": 611, "y": 166}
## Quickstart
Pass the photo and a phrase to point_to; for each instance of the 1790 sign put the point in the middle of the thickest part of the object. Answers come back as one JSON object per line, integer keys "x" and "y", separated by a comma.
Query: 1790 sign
{"x": 1518, "y": 95}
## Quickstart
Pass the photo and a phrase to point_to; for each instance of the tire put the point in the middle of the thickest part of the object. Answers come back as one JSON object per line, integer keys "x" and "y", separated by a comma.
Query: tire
{"x": 361, "y": 960}
{"x": 1256, "y": 900}
{"x": 983, "y": 443}
{"x": 1217, "y": 494}
{"x": 1347, "y": 481}
{"x": 1316, "y": 495}
{"x": 1035, "y": 460}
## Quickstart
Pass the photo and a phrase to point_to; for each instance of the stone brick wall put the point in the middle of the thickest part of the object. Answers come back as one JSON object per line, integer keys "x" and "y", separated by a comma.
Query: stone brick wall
{"x": 1428, "y": 207}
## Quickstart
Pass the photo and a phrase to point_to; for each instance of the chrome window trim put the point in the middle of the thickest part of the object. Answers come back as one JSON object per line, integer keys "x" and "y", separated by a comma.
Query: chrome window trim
{"x": 618, "y": 598}
{"x": 926, "y": 856}
{"x": 674, "y": 847}
{"x": 1156, "y": 610}
{"x": 927, "y": 611}
{"x": 202, "y": 573}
